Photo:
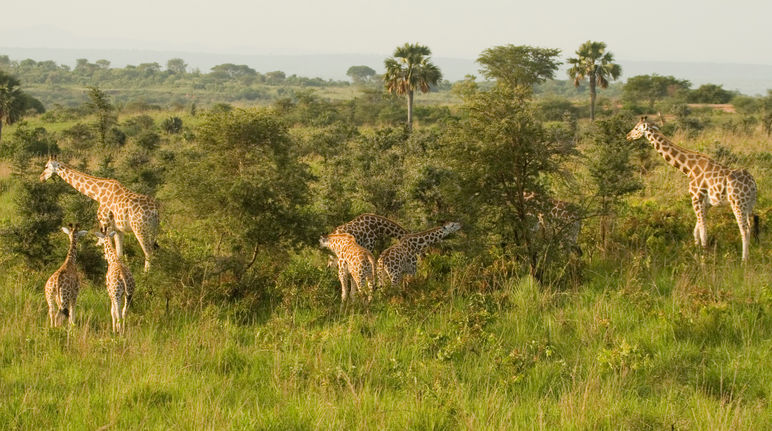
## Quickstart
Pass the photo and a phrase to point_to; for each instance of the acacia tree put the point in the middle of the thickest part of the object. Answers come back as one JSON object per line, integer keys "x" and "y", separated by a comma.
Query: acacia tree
{"x": 654, "y": 88}
{"x": 594, "y": 63}
{"x": 410, "y": 69}
{"x": 360, "y": 74}
{"x": 523, "y": 65}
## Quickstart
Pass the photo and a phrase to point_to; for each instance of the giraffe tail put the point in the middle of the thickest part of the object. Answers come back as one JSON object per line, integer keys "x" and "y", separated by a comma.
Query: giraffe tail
{"x": 64, "y": 312}
{"x": 373, "y": 270}
{"x": 155, "y": 245}
{"x": 756, "y": 228}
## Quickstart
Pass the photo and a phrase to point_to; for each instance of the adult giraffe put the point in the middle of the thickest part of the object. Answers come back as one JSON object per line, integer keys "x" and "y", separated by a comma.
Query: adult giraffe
{"x": 710, "y": 183}
{"x": 131, "y": 212}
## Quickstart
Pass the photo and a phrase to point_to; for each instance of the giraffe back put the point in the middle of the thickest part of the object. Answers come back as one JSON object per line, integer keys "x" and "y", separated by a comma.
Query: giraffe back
{"x": 368, "y": 229}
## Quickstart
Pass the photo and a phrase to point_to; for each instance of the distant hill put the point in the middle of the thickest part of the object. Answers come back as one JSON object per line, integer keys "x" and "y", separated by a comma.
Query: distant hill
{"x": 745, "y": 78}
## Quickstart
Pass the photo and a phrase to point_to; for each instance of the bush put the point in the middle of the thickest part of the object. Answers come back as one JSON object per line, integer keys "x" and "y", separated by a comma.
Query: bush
{"x": 172, "y": 125}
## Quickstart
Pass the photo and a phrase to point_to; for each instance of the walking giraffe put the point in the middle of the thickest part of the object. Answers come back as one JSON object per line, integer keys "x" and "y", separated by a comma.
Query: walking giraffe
{"x": 119, "y": 281}
{"x": 132, "y": 212}
{"x": 63, "y": 286}
{"x": 401, "y": 258}
{"x": 355, "y": 264}
{"x": 710, "y": 183}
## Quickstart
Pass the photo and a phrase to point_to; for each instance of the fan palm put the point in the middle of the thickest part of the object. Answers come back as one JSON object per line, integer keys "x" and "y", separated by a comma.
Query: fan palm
{"x": 410, "y": 69}
{"x": 12, "y": 102}
{"x": 596, "y": 64}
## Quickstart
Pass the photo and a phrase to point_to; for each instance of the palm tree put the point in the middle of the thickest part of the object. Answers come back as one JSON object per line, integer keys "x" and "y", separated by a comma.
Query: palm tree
{"x": 408, "y": 70}
{"x": 12, "y": 100}
{"x": 596, "y": 64}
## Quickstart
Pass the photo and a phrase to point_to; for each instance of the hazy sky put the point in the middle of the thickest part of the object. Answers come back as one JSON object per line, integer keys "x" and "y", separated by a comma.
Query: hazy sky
{"x": 721, "y": 31}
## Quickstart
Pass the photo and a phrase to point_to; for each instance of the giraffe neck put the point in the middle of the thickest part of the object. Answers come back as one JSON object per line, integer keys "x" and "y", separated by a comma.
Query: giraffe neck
{"x": 674, "y": 155}
{"x": 110, "y": 255}
{"x": 418, "y": 242}
{"x": 94, "y": 187}
{"x": 72, "y": 253}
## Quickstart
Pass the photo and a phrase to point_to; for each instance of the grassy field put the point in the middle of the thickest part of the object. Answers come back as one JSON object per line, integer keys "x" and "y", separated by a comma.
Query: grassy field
{"x": 657, "y": 335}
{"x": 647, "y": 345}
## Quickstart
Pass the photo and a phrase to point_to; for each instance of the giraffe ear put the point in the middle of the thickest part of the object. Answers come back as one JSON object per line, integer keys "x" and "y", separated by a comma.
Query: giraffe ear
{"x": 66, "y": 230}
{"x": 81, "y": 233}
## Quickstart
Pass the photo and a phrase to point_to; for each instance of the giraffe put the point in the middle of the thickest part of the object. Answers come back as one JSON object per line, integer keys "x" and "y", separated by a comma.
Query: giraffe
{"x": 63, "y": 286}
{"x": 354, "y": 262}
{"x": 132, "y": 212}
{"x": 401, "y": 258}
{"x": 368, "y": 229}
{"x": 710, "y": 183}
{"x": 563, "y": 220}
{"x": 119, "y": 281}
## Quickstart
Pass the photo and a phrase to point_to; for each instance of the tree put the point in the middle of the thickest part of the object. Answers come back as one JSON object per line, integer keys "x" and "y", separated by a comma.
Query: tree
{"x": 360, "y": 74}
{"x": 595, "y": 64}
{"x": 502, "y": 154}
{"x": 410, "y": 69}
{"x": 100, "y": 105}
{"x": 12, "y": 100}
{"x": 710, "y": 93}
{"x": 176, "y": 66}
{"x": 653, "y": 88}
{"x": 519, "y": 65}
{"x": 611, "y": 169}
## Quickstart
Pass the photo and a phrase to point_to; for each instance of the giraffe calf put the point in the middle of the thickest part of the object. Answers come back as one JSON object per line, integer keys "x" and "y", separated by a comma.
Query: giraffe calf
{"x": 355, "y": 264}
{"x": 119, "y": 281}
{"x": 63, "y": 286}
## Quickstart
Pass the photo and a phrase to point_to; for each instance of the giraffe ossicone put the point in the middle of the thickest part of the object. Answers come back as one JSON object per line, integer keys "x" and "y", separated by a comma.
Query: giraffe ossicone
{"x": 131, "y": 212}
{"x": 710, "y": 183}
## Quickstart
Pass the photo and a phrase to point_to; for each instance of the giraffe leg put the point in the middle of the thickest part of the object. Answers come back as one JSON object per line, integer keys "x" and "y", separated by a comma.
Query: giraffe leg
{"x": 146, "y": 242}
{"x": 343, "y": 277}
{"x": 700, "y": 210}
{"x": 741, "y": 194}
{"x": 118, "y": 243}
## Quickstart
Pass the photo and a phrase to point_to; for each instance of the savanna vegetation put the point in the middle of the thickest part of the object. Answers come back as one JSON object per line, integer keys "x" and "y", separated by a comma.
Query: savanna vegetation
{"x": 238, "y": 325}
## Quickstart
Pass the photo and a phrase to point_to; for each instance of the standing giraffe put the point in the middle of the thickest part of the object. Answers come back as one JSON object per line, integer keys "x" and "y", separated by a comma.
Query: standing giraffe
{"x": 710, "y": 183}
{"x": 132, "y": 212}
{"x": 63, "y": 286}
{"x": 119, "y": 281}
{"x": 401, "y": 258}
{"x": 355, "y": 264}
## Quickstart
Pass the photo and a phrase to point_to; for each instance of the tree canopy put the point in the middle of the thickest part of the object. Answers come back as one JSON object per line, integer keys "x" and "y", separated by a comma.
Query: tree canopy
{"x": 519, "y": 65}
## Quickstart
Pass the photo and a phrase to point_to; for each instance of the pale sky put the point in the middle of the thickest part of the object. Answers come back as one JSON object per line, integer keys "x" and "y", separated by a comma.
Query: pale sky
{"x": 719, "y": 31}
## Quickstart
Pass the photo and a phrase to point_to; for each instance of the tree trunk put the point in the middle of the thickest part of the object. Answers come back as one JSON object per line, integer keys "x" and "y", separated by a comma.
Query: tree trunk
{"x": 592, "y": 98}
{"x": 409, "y": 109}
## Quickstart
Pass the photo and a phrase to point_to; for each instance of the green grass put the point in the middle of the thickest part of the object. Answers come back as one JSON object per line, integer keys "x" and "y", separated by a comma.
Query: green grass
{"x": 638, "y": 347}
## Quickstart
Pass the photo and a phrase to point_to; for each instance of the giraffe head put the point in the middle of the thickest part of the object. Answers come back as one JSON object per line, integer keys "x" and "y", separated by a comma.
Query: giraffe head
{"x": 639, "y": 129}
{"x": 52, "y": 167}
{"x": 103, "y": 235}
{"x": 450, "y": 227}
{"x": 72, "y": 232}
